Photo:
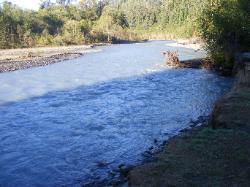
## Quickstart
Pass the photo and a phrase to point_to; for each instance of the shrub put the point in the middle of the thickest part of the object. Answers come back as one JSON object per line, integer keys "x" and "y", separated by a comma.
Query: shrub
{"x": 225, "y": 27}
{"x": 72, "y": 33}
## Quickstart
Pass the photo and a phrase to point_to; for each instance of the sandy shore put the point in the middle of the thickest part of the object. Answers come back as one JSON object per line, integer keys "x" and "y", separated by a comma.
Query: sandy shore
{"x": 194, "y": 44}
{"x": 16, "y": 59}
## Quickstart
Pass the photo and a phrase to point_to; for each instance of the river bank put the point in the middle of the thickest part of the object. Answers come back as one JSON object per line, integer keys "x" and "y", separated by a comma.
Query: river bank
{"x": 192, "y": 43}
{"x": 172, "y": 57}
{"x": 110, "y": 107}
{"x": 16, "y": 59}
{"x": 214, "y": 154}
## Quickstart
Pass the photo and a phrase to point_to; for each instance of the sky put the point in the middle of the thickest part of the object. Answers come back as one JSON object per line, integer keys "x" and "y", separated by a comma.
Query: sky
{"x": 29, "y": 4}
{"x": 26, "y": 4}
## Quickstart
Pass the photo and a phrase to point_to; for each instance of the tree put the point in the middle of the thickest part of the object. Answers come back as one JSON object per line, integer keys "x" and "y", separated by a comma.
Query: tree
{"x": 225, "y": 27}
{"x": 45, "y": 4}
{"x": 72, "y": 32}
{"x": 64, "y": 2}
{"x": 88, "y": 4}
{"x": 140, "y": 12}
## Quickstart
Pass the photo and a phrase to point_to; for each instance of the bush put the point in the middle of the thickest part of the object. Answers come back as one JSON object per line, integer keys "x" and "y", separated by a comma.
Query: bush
{"x": 72, "y": 33}
{"x": 45, "y": 39}
{"x": 225, "y": 27}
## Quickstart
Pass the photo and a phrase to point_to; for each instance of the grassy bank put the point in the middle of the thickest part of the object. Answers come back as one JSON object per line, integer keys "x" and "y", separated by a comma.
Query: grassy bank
{"x": 217, "y": 154}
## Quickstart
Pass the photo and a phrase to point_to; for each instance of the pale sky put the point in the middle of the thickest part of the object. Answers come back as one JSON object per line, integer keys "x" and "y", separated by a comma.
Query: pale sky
{"x": 29, "y": 4}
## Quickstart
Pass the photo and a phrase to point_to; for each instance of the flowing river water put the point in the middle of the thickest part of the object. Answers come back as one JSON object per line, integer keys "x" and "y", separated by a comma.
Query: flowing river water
{"x": 75, "y": 122}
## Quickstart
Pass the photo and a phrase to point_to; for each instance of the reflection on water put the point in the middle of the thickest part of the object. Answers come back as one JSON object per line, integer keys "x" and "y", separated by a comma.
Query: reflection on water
{"x": 58, "y": 123}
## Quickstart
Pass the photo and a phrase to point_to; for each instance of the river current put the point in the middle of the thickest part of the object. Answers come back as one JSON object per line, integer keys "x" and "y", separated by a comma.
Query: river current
{"x": 75, "y": 122}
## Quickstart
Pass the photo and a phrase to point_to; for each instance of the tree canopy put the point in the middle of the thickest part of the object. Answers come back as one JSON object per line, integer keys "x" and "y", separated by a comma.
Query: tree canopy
{"x": 225, "y": 27}
{"x": 95, "y": 20}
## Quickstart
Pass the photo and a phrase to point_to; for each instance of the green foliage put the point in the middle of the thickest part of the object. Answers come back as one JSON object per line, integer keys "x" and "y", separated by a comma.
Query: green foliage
{"x": 11, "y": 21}
{"x": 72, "y": 33}
{"x": 96, "y": 21}
{"x": 223, "y": 24}
{"x": 53, "y": 24}
{"x": 225, "y": 27}
{"x": 141, "y": 13}
{"x": 45, "y": 39}
{"x": 176, "y": 18}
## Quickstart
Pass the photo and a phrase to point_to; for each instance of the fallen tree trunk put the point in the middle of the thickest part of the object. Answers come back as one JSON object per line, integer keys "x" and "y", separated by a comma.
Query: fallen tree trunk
{"x": 172, "y": 60}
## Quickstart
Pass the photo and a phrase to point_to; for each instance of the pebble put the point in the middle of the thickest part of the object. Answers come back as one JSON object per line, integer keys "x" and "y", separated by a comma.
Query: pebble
{"x": 13, "y": 65}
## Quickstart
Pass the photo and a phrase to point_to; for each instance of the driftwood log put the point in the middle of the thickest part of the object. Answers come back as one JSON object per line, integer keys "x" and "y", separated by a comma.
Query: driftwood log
{"x": 172, "y": 59}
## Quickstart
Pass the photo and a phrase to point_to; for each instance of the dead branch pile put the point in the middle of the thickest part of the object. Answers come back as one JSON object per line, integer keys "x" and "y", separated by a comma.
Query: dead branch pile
{"x": 172, "y": 58}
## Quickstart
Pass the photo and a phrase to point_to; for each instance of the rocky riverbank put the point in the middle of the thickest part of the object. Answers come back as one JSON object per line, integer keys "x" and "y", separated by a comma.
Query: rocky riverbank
{"x": 16, "y": 59}
{"x": 214, "y": 154}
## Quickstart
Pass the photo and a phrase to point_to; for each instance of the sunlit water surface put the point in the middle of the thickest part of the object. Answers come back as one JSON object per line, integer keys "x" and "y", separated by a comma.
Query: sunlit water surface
{"x": 59, "y": 122}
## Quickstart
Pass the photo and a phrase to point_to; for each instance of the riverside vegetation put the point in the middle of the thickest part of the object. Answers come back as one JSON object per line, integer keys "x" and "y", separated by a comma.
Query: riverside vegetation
{"x": 224, "y": 25}
{"x": 63, "y": 23}
{"x": 216, "y": 154}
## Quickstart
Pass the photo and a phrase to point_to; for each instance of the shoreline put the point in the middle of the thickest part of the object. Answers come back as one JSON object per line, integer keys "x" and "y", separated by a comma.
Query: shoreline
{"x": 18, "y": 59}
{"x": 193, "y": 43}
{"x": 215, "y": 153}
{"x": 25, "y": 58}
{"x": 172, "y": 57}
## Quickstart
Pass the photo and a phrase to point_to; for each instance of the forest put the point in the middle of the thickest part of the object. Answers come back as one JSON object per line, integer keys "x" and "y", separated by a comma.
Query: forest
{"x": 223, "y": 24}
{"x": 64, "y": 22}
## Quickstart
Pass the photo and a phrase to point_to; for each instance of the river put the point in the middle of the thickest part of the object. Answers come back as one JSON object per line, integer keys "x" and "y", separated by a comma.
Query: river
{"x": 75, "y": 122}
